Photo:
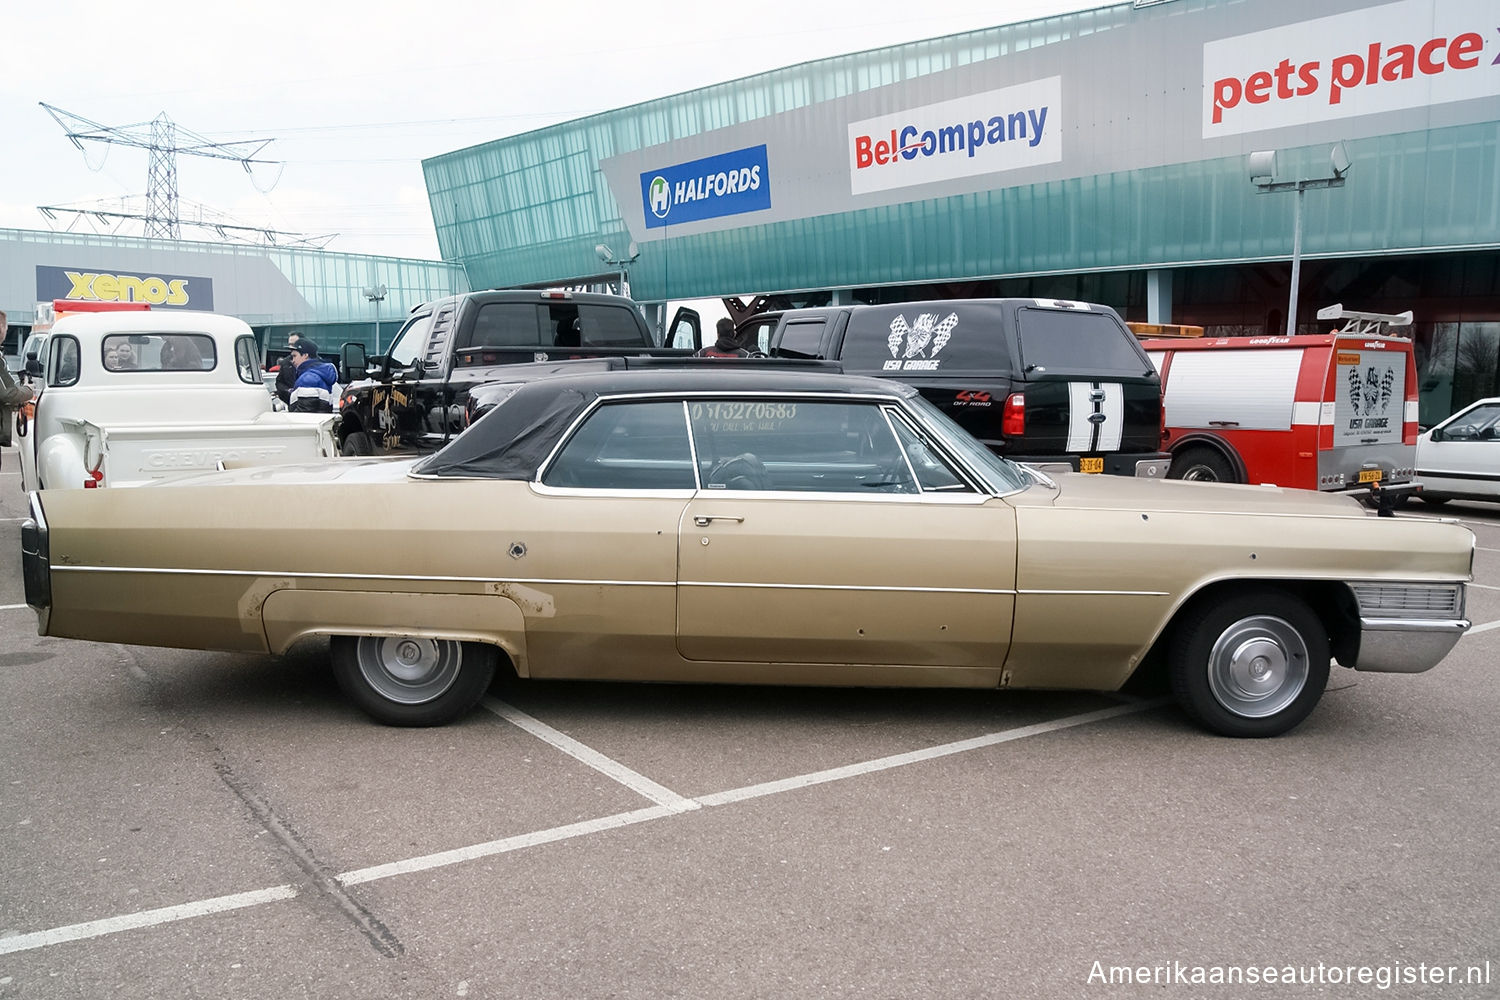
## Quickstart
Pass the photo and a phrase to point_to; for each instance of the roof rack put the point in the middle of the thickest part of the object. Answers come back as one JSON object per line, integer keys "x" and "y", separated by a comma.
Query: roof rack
{"x": 1365, "y": 324}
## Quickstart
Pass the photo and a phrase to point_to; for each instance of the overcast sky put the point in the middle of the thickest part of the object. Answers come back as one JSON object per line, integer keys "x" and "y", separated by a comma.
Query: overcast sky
{"x": 356, "y": 95}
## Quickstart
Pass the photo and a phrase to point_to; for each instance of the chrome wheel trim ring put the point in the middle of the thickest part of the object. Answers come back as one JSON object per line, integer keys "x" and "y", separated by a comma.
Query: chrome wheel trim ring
{"x": 1199, "y": 473}
{"x": 1258, "y": 666}
{"x": 408, "y": 670}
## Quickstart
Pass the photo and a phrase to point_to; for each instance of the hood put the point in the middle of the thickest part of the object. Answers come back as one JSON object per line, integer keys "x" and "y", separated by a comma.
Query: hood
{"x": 333, "y": 470}
{"x": 1080, "y": 491}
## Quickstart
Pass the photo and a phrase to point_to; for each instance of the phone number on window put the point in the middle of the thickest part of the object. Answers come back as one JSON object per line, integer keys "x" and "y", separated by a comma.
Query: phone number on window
{"x": 743, "y": 411}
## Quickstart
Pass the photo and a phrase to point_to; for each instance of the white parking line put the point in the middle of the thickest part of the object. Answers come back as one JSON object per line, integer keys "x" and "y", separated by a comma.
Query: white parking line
{"x": 13, "y": 607}
{"x": 619, "y": 772}
{"x": 219, "y": 904}
{"x": 1482, "y": 628}
{"x": 145, "y": 918}
{"x": 1484, "y": 586}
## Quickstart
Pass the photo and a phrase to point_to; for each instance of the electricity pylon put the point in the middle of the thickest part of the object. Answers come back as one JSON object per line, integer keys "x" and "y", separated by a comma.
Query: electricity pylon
{"x": 164, "y": 140}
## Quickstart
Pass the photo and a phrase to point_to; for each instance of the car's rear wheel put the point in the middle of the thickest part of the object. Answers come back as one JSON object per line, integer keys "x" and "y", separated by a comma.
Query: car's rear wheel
{"x": 1203, "y": 465}
{"x": 357, "y": 443}
{"x": 1253, "y": 664}
{"x": 412, "y": 681}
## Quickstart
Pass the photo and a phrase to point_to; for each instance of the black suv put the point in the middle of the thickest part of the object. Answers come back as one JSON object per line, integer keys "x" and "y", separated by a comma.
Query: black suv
{"x": 1037, "y": 380}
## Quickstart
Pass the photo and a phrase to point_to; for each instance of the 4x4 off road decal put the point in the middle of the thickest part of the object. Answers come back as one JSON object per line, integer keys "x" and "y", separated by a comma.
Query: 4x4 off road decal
{"x": 909, "y": 343}
{"x": 1096, "y": 416}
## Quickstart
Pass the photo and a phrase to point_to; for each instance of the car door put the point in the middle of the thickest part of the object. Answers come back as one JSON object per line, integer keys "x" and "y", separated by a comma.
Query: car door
{"x": 813, "y": 541}
{"x": 1462, "y": 455}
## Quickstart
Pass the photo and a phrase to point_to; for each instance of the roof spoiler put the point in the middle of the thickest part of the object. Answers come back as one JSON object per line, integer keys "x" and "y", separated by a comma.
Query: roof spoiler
{"x": 1365, "y": 324}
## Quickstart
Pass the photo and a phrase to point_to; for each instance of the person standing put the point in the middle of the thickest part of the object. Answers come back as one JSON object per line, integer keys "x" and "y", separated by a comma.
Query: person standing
{"x": 286, "y": 372}
{"x": 312, "y": 391}
{"x": 727, "y": 345}
{"x": 11, "y": 394}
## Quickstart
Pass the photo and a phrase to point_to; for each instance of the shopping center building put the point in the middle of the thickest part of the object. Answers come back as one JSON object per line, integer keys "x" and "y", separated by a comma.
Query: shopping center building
{"x": 1104, "y": 155}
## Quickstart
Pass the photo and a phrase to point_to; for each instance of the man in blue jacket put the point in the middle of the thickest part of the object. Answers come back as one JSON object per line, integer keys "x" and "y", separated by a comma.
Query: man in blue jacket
{"x": 313, "y": 390}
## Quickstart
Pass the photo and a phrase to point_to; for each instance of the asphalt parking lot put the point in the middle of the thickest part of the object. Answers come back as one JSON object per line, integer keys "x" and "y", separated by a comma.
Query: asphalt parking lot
{"x": 187, "y": 824}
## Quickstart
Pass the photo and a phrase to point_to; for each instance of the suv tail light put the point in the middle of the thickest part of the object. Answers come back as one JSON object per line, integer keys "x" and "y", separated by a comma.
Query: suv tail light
{"x": 1013, "y": 420}
{"x": 94, "y": 479}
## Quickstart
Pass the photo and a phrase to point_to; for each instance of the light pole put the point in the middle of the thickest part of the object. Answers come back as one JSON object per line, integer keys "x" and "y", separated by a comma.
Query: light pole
{"x": 1263, "y": 176}
{"x": 608, "y": 256}
{"x": 376, "y": 295}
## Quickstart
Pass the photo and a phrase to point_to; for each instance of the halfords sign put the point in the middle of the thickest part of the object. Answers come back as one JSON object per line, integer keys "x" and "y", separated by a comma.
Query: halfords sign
{"x": 715, "y": 186}
{"x": 1413, "y": 54}
{"x": 161, "y": 290}
{"x": 985, "y": 133}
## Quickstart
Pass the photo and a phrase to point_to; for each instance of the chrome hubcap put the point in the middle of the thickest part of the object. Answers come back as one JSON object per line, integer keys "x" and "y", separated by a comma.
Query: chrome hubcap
{"x": 1200, "y": 474}
{"x": 407, "y": 670}
{"x": 1258, "y": 666}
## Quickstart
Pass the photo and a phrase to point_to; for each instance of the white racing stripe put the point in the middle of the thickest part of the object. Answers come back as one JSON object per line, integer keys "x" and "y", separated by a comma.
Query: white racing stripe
{"x": 220, "y": 904}
{"x": 1080, "y": 406}
{"x": 638, "y": 783}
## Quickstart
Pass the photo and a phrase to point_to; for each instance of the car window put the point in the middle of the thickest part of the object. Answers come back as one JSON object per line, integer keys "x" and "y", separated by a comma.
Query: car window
{"x": 802, "y": 339}
{"x": 933, "y": 473}
{"x": 62, "y": 361}
{"x": 610, "y": 326}
{"x": 1070, "y": 340}
{"x": 247, "y": 360}
{"x": 403, "y": 352}
{"x": 1482, "y": 423}
{"x": 927, "y": 337}
{"x": 158, "y": 352}
{"x": 797, "y": 445}
{"x": 507, "y": 324}
{"x": 1000, "y": 475}
{"x": 627, "y": 446}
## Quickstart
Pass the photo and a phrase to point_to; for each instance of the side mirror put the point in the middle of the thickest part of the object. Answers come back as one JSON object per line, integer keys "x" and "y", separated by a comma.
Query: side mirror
{"x": 33, "y": 367}
{"x": 1436, "y": 435}
{"x": 353, "y": 363}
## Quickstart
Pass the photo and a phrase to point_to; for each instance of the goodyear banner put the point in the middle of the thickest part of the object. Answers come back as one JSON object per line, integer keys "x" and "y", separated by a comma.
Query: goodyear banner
{"x": 715, "y": 186}
{"x": 162, "y": 291}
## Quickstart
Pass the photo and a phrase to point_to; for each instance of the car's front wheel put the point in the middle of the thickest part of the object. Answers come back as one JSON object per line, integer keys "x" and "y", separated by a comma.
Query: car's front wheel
{"x": 412, "y": 681}
{"x": 1253, "y": 664}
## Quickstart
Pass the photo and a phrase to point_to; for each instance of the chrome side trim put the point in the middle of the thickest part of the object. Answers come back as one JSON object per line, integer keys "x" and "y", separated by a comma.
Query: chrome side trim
{"x": 298, "y": 574}
{"x": 1098, "y": 593}
{"x": 832, "y": 586}
{"x": 1406, "y": 645}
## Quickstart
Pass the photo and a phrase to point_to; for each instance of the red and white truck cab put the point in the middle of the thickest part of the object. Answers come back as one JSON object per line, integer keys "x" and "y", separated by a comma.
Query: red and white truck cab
{"x": 1329, "y": 411}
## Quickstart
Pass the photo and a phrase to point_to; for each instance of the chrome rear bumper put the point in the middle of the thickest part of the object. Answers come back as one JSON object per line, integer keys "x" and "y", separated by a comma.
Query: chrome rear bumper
{"x": 1406, "y": 645}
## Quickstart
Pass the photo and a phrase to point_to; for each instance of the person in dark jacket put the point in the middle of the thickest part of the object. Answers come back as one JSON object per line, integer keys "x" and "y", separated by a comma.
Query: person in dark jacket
{"x": 727, "y": 346}
{"x": 286, "y": 372}
{"x": 313, "y": 390}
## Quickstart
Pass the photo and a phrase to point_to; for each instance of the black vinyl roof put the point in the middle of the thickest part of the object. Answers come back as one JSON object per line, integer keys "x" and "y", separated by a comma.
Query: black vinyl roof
{"x": 514, "y": 438}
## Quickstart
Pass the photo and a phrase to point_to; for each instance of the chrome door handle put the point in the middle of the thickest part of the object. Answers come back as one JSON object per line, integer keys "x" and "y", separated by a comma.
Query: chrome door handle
{"x": 701, "y": 520}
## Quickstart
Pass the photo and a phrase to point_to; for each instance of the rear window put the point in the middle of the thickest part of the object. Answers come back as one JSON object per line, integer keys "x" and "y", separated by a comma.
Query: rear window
{"x": 1064, "y": 340}
{"x": 802, "y": 339}
{"x": 158, "y": 352}
{"x": 927, "y": 337}
{"x": 555, "y": 324}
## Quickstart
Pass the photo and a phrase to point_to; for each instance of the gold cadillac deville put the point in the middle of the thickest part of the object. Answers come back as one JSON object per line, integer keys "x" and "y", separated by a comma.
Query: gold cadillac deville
{"x": 720, "y": 523}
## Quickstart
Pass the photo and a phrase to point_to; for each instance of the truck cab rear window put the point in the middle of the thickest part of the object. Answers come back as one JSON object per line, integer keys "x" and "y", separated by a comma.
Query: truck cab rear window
{"x": 558, "y": 325}
{"x": 1056, "y": 340}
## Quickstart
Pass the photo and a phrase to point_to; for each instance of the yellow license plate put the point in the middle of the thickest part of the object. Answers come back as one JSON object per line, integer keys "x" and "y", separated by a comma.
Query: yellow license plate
{"x": 1369, "y": 476}
{"x": 1097, "y": 465}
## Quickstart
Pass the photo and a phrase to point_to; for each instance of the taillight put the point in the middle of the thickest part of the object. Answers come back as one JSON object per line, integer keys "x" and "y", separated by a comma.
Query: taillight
{"x": 94, "y": 480}
{"x": 1013, "y": 421}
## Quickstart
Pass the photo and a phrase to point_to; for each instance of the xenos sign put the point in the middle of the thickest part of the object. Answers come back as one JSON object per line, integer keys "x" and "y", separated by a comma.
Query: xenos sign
{"x": 164, "y": 290}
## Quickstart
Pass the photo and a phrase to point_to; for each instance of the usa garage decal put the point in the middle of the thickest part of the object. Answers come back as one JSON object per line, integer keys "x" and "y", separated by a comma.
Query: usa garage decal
{"x": 93, "y": 285}
{"x": 715, "y": 186}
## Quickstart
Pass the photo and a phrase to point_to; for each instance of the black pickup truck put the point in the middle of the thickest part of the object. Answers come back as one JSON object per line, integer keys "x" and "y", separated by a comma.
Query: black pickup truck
{"x": 412, "y": 398}
{"x": 1037, "y": 380}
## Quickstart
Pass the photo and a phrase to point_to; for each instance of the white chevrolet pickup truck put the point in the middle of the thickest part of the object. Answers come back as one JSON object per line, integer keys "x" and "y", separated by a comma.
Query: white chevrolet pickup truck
{"x": 129, "y": 398}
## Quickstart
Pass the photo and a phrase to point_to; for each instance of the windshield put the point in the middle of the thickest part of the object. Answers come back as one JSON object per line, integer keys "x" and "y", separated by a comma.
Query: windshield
{"x": 999, "y": 474}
